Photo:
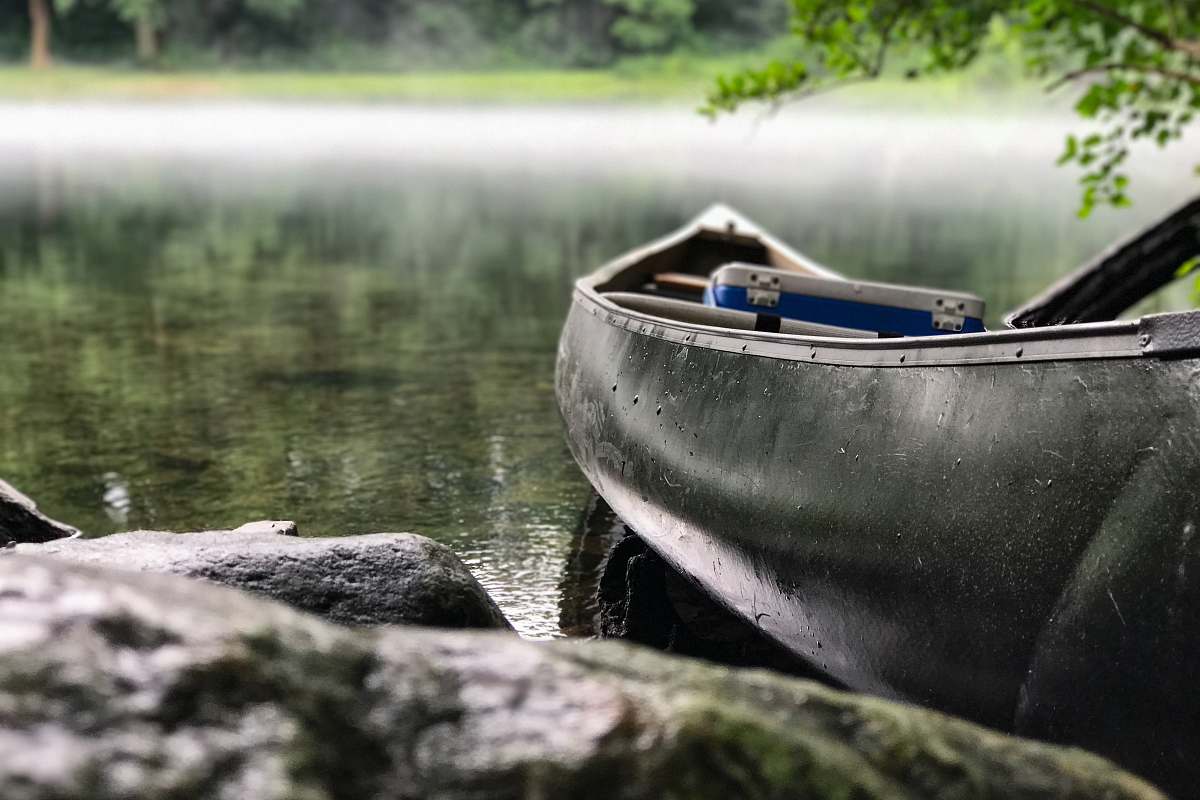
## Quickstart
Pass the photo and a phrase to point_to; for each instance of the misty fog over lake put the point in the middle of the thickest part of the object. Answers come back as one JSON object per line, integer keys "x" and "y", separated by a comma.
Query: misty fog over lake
{"x": 347, "y": 315}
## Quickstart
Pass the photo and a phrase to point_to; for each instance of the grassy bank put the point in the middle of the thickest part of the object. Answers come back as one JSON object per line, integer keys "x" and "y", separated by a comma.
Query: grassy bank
{"x": 507, "y": 86}
{"x": 675, "y": 81}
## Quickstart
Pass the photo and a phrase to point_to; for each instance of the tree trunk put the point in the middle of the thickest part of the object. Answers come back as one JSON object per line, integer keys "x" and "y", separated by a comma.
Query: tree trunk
{"x": 1120, "y": 276}
{"x": 39, "y": 22}
{"x": 147, "y": 40}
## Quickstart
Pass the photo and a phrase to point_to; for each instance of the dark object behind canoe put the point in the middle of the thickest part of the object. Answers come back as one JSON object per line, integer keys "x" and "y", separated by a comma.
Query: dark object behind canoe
{"x": 1000, "y": 525}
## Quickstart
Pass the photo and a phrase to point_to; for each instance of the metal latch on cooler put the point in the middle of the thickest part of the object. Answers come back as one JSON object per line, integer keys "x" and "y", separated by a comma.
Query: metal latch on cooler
{"x": 763, "y": 290}
{"x": 947, "y": 314}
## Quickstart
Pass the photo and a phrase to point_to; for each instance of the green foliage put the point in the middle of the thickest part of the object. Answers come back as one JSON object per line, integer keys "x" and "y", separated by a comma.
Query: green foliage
{"x": 1190, "y": 267}
{"x": 1139, "y": 61}
{"x": 279, "y": 9}
{"x": 127, "y": 10}
{"x": 149, "y": 17}
{"x": 651, "y": 25}
{"x": 399, "y": 34}
{"x": 130, "y": 10}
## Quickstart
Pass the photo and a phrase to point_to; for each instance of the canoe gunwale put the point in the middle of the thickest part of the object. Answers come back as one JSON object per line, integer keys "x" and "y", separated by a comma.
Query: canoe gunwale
{"x": 1093, "y": 340}
{"x": 1168, "y": 335}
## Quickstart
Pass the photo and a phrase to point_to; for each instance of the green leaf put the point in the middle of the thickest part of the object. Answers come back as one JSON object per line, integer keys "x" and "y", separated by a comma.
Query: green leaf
{"x": 1187, "y": 267}
{"x": 1072, "y": 149}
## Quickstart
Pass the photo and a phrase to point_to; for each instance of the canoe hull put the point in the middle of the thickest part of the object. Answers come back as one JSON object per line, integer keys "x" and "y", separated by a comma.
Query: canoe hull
{"x": 1012, "y": 542}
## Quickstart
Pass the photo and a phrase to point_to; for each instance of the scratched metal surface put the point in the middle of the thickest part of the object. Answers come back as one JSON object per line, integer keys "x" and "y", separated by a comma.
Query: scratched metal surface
{"x": 1013, "y": 542}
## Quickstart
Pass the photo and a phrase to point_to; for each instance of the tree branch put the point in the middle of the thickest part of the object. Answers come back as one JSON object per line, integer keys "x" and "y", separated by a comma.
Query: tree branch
{"x": 885, "y": 37}
{"x": 1172, "y": 18}
{"x": 1189, "y": 47}
{"x": 1105, "y": 68}
{"x": 1116, "y": 16}
{"x": 828, "y": 87}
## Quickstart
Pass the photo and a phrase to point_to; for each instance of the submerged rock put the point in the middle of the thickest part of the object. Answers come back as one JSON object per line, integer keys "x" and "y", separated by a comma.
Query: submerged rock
{"x": 279, "y": 526}
{"x": 116, "y": 684}
{"x": 20, "y": 520}
{"x": 357, "y": 580}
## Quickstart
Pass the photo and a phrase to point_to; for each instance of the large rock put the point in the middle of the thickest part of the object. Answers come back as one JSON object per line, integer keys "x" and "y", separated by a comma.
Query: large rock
{"x": 20, "y": 520}
{"x": 357, "y": 580}
{"x": 120, "y": 685}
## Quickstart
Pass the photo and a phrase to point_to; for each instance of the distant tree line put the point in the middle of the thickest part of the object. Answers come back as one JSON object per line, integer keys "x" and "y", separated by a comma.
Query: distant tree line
{"x": 382, "y": 33}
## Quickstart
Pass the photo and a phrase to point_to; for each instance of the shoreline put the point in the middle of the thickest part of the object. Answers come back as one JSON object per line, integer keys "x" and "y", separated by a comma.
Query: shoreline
{"x": 684, "y": 86}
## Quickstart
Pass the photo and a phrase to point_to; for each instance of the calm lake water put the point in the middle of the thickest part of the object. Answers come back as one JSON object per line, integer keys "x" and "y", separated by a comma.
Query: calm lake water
{"x": 347, "y": 316}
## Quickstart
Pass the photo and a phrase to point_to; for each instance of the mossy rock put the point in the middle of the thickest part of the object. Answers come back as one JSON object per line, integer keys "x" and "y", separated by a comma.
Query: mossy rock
{"x": 126, "y": 685}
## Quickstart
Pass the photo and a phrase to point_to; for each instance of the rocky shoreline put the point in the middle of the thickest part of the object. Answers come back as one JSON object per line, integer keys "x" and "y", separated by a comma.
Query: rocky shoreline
{"x": 372, "y": 579}
{"x": 322, "y": 668}
{"x": 20, "y": 520}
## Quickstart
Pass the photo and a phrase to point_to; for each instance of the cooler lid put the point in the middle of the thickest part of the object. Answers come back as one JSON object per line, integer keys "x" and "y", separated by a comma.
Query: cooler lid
{"x": 757, "y": 277}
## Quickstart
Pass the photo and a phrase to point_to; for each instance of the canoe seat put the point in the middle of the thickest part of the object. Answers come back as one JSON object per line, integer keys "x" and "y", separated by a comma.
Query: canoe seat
{"x": 681, "y": 281}
{"x": 698, "y": 314}
{"x": 677, "y": 284}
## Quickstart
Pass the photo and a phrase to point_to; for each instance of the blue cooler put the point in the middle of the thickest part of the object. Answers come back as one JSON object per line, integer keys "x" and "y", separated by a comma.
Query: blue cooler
{"x": 886, "y": 309}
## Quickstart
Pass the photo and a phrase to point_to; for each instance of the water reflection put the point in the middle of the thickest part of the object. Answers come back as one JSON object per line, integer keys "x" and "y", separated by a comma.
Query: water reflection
{"x": 116, "y": 498}
{"x": 598, "y": 532}
{"x": 348, "y": 317}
